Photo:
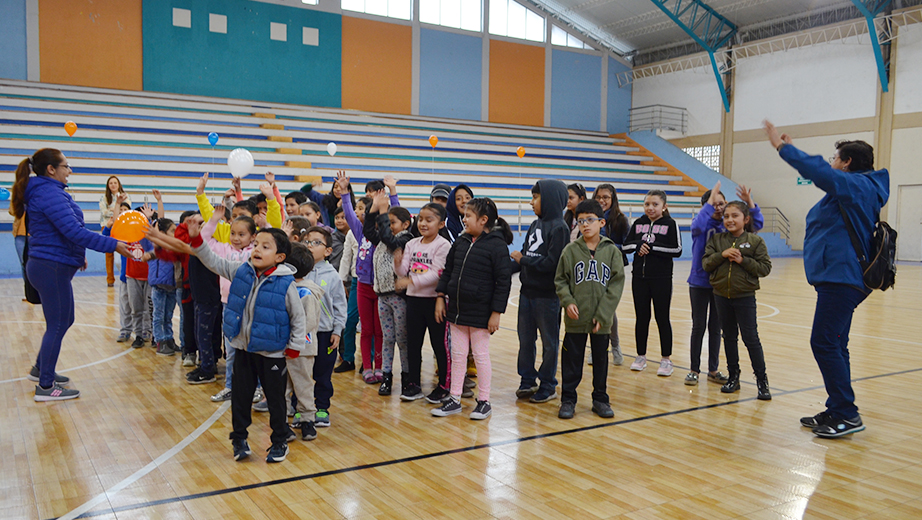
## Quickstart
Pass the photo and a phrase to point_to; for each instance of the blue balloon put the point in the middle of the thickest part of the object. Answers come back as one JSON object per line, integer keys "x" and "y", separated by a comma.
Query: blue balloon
{"x": 213, "y": 138}
{"x": 4, "y": 194}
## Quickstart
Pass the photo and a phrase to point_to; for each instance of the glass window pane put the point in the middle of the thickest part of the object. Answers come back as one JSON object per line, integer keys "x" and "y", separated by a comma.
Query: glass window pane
{"x": 534, "y": 27}
{"x": 429, "y": 11}
{"x": 354, "y": 5}
{"x": 401, "y": 9}
{"x": 378, "y": 7}
{"x": 558, "y": 36}
{"x": 517, "y": 16}
{"x": 451, "y": 13}
{"x": 498, "y": 16}
{"x": 471, "y": 18}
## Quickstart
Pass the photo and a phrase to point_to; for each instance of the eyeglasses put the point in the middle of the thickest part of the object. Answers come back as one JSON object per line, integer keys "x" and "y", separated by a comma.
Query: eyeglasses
{"x": 584, "y": 221}
{"x": 315, "y": 243}
{"x": 832, "y": 159}
{"x": 65, "y": 165}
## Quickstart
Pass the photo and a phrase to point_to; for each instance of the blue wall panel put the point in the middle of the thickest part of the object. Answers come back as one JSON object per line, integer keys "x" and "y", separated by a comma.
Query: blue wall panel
{"x": 576, "y": 90}
{"x": 13, "y": 60}
{"x": 244, "y": 63}
{"x": 619, "y": 99}
{"x": 450, "y": 67}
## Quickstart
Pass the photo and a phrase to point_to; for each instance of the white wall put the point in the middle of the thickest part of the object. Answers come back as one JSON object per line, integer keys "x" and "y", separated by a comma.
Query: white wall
{"x": 905, "y": 169}
{"x": 908, "y": 83}
{"x": 774, "y": 183}
{"x": 695, "y": 90}
{"x": 828, "y": 82}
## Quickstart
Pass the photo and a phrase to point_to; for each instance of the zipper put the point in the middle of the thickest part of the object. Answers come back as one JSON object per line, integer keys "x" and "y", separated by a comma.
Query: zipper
{"x": 730, "y": 272}
{"x": 458, "y": 292}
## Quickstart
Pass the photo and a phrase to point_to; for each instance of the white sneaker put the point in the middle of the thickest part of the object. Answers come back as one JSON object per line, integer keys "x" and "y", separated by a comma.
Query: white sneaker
{"x": 665, "y": 368}
{"x": 640, "y": 363}
{"x": 223, "y": 395}
{"x": 258, "y": 395}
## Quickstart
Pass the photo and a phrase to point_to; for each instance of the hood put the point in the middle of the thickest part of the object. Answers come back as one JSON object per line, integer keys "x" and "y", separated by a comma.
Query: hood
{"x": 553, "y": 198}
{"x": 39, "y": 181}
{"x": 881, "y": 182}
{"x": 281, "y": 270}
{"x": 452, "y": 207}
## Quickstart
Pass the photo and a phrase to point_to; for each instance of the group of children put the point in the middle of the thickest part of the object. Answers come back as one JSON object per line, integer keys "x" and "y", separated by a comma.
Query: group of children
{"x": 270, "y": 293}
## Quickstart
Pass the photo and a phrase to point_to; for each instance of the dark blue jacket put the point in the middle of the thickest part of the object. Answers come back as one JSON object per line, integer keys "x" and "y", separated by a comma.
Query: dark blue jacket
{"x": 544, "y": 242}
{"x": 270, "y": 329}
{"x": 453, "y": 222}
{"x": 829, "y": 256}
{"x": 56, "y": 225}
{"x": 161, "y": 273}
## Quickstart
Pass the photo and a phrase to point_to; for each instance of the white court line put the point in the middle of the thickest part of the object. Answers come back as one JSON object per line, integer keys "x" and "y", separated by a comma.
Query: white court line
{"x": 110, "y": 358}
{"x": 137, "y": 475}
{"x": 96, "y": 303}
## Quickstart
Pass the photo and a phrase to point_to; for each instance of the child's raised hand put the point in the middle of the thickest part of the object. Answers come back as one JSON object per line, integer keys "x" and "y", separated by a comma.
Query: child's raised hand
{"x": 381, "y": 203}
{"x": 715, "y": 192}
{"x": 202, "y": 182}
{"x": 573, "y": 311}
{"x": 493, "y": 324}
{"x": 122, "y": 197}
{"x": 266, "y": 189}
{"x": 391, "y": 182}
{"x": 288, "y": 227}
{"x": 235, "y": 183}
{"x": 218, "y": 214}
{"x": 342, "y": 180}
{"x": 260, "y": 220}
{"x": 230, "y": 193}
{"x": 440, "y": 309}
{"x": 147, "y": 211}
{"x": 157, "y": 195}
{"x": 270, "y": 178}
{"x": 745, "y": 195}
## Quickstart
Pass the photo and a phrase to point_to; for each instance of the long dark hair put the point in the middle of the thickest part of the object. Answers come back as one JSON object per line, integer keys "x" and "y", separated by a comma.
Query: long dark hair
{"x": 616, "y": 224}
{"x": 331, "y": 202}
{"x": 109, "y": 192}
{"x": 484, "y": 206}
{"x": 580, "y": 192}
{"x": 38, "y": 163}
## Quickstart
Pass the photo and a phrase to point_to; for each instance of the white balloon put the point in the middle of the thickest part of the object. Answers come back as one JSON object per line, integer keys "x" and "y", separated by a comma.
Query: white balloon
{"x": 331, "y": 148}
{"x": 240, "y": 162}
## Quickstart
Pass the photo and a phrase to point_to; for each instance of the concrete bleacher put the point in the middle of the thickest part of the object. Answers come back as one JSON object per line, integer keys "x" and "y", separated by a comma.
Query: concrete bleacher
{"x": 152, "y": 140}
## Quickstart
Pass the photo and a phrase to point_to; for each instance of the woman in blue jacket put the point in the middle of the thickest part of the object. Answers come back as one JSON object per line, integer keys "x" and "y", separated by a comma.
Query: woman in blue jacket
{"x": 831, "y": 265}
{"x": 57, "y": 247}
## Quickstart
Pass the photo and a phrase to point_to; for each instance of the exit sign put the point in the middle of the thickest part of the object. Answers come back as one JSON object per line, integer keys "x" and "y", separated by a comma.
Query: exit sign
{"x": 803, "y": 182}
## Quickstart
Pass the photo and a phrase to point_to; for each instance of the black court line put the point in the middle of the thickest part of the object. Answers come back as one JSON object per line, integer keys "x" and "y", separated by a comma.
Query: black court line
{"x": 425, "y": 456}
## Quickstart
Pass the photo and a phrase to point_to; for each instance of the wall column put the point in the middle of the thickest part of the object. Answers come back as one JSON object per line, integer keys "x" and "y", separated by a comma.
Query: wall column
{"x": 726, "y": 132}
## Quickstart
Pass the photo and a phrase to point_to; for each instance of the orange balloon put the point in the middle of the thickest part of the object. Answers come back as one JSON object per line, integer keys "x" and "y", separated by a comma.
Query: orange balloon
{"x": 433, "y": 140}
{"x": 130, "y": 226}
{"x": 520, "y": 151}
{"x": 70, "y": 127}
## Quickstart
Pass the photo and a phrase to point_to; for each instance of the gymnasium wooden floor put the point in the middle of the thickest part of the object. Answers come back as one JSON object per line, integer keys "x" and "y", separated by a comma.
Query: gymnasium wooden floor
{"x": 140, "y": 443}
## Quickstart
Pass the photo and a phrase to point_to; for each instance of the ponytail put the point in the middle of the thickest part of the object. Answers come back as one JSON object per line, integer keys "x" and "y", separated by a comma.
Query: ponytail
{"x": 38, "y": 163}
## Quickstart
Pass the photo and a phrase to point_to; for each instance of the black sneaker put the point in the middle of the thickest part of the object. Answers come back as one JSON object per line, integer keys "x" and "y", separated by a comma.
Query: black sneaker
{"x": 467, "y": 393}
{"x": 58, "y": 378}
{"x": 814, "y": 421}
{"x": 832, "y": 428}
{"x": 449, "y": 407}
{"x": 138, "y": 342}
{"x": 543, "y": 396}
{"x": 438, "y": 395}
{"x": 524, "y": 392}
{"x": 164, "y": 348}
{"x": 567, "y": 410}
{"x": 199, "y": 376}
{"x": 277, "y": 452}
{"x": 291, "y": 435}
{"x": 308, "y": 432}
{"x": 482, "y": 411}
{"x": 603, "y": 410}
{"x": 411, "y": 393}
{"x": 55, "y": 393}
{"x": 241, "y": 449}
{"x": 345, "y": 366}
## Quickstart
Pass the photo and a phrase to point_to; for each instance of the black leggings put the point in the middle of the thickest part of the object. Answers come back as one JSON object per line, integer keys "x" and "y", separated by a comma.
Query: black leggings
{"x": 659, "y": 291}
{"x": 701, "y": 299}
{"x": 738, "y": 318}
{"x": 420, "y": 317}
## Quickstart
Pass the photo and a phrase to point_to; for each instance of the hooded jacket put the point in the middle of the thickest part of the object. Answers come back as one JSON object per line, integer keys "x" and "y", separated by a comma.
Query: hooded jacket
{"x": 453, "y": 220}
{"x": 378, "y": 231}
{"x": 829, "y": 256}
{"x": 544, "y": 242}
{"x": 477, "y": 279}
{"x": 665, "y": 244}
{"x": 593, "y": 282}
{"x": 732, "y": 280}
{"x": 56, "y": 227}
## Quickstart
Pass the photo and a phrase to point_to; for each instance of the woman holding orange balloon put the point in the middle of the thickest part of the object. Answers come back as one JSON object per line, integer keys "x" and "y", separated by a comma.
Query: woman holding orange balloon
{"x": 107, "y": 206}
{"x": 57, "y": 247}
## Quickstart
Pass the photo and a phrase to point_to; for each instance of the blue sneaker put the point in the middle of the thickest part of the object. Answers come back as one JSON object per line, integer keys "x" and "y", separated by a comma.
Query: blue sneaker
{"x": 277, "y": 452}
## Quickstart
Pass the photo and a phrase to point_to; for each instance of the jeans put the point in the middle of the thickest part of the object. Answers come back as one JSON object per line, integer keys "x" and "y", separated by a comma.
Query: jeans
{"x": 835, "y": 305}
{"x": 347, "y": 346}
{"x": 738, "y": 318}
{"x": 701, "y": 299}
{"x": 538, "y": 315}
{"x": 187, "y": 324}
{"x": 138, "y": 298}
{"x": 571, "y": 365}
{"x": 20, "y": 248}
{"x": 208, "y": 336}
{"x": 52, "y": 280}
{"x": 164, "y": 305}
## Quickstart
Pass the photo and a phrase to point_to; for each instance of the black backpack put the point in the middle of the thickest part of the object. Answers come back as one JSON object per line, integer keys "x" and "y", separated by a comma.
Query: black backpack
{"x": 880, "y": 271}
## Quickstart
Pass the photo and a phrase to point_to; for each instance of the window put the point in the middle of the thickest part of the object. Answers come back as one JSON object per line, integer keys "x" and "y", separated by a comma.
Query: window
{"x": 402, "y": 9}
{"x": 708, "y": 155}
{"x": 512, "y": 19}
{"x": 309, "y": 2}
{"x": 565, "y": 39}
{"x": 460, "y": 14}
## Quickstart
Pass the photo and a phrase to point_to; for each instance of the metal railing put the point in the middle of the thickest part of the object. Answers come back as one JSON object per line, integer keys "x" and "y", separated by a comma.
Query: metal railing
{"x": 659, "y": 117}
{"x": 776, "y": 222}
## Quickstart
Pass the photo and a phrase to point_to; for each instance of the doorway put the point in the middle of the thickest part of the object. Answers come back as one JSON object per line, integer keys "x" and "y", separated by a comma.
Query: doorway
{"x": 909, "y": 224}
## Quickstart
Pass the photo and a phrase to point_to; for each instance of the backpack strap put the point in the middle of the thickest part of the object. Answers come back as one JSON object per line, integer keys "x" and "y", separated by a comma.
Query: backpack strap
{"x": 856, "y": 244}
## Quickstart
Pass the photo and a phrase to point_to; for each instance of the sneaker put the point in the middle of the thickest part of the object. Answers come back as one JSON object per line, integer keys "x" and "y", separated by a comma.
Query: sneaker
{"x": 603, "y": 410}
{"x": 308, "y": 432}
{"x": 137, "y": 343}
{"x": 241, "y": 449}
{"x": 691, "y": 379}
{"x": 640, "y": 363}
{"x": 816, "y": 420}
{"x": 164, "y": 348}
{"x": 223, "y": 395}
{"x": 588, "y": 355}
{"x": 55, "y": 393}
{"x": 262, "y": 406}
{"x": 543, "y": 396}
{"x": 258, "y": 395}
{"x": 411, "y": 393}
{"x": 174, "y": 346}
{"x": 718, "y": 378}
{"x": 345, "y": 366}
{"x": 123, "y": 337}
{"x": 832, "y": 428}
{"x": 188, "y": 360}
{"x": 387, "y": 384}
{"x": 525, "y": 392}
{"x": 567, "y": 410}
{"x": 369, "y": 377}
{"x": 322, "y": 419}
{"x": 467, "y": 393}
{"x": 616, "y": 357}
{"x": 438, "y": 396}
{"x": 449, "y": 407}
{"x": 291, "y": 435}
{"x": 665, "y": 368}
{"x": 199, "y": 376}
{"x": 58, "y": 378}
{"x": 469, "y": 383}
{"x": 481, "y": 411}
{"x": 277, "y": 452}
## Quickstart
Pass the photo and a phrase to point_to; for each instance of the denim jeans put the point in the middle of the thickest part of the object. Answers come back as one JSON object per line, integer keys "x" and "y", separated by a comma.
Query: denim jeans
{"x": 347, "y": 345}
{"x": 738, "y": 318}
{"x": 164, "y": 305}
{"x": 52, "y": 280}
{"x": 835, "y": 305}
{"x": 20, "y": 248}
{"x": 538, "y": 314}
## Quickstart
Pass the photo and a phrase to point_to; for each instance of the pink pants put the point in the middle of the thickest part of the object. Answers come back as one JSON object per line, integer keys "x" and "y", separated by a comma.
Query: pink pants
{"x": 478, "y": 342}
